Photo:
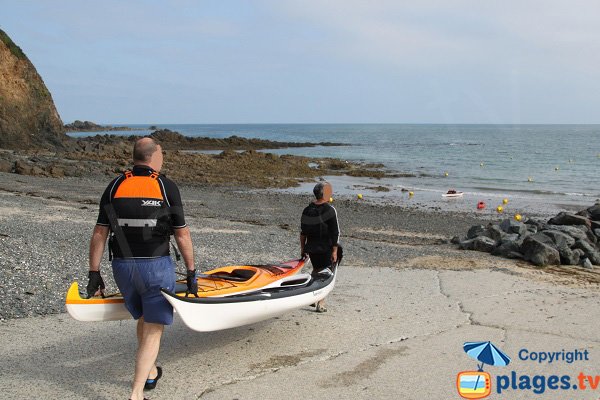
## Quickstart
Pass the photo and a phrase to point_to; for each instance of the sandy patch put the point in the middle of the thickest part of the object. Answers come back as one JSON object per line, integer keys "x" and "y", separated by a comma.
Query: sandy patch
{"x": 400, "y": 233}
{"x": 563, "y": 275}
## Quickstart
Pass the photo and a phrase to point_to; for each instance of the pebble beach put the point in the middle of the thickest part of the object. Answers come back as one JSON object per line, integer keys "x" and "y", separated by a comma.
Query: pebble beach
{"x": 405, "y": 294}
{"x": 45, "y": 225}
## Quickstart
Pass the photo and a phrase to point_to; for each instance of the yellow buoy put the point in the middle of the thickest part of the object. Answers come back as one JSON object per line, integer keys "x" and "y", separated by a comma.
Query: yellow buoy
{"x": 359, "y": 196}
{"x": 530, "y": 179}
{"x": 331, "y": 199}
{"x": 445, "y": 174}
{"x": 499, "y": 209}
{"x": 411, "y": 194}
{"x": 504, "y": 201}
{"x": 481, "y": 164}
{"x": 557, "y": 168}
{"x": 518, "y": 217}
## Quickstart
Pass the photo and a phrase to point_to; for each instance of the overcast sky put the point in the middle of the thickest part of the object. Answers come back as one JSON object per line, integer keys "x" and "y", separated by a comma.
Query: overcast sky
{"x": 345, "y": 61}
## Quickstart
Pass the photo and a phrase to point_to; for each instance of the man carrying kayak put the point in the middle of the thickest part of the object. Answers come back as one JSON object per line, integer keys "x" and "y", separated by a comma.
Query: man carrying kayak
{"x": 142, "y": 209}
{"x": 320, "y": 233}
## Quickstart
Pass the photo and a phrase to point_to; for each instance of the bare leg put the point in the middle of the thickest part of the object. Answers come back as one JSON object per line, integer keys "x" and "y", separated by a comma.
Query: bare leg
{"x": 140, "y": 330}
{"x": 140, "y": 334}
{"x": 146, "y": 357}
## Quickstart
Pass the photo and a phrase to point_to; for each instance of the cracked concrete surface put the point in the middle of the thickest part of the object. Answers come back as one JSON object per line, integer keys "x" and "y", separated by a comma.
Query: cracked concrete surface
{"x": 389, "y": 334}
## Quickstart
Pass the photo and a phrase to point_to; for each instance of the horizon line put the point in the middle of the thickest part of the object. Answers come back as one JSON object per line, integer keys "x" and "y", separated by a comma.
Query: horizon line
{"x": 338, "y": 123}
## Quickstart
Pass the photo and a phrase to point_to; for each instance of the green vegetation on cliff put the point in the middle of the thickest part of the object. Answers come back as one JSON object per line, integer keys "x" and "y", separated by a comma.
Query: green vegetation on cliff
{"x": 14, "y": 49}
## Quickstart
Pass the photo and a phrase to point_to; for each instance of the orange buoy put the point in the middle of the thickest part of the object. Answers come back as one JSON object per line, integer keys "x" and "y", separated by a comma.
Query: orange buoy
{"x": 480, "y": 205}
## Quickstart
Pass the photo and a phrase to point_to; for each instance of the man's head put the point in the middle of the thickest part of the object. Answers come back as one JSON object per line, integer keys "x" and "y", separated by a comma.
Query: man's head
{"x": 147, "y": 152}
{"x": 323, "y": 191}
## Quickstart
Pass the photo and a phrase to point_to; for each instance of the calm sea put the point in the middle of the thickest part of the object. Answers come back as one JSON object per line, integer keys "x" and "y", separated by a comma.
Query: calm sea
{"x": 559, "y": 163}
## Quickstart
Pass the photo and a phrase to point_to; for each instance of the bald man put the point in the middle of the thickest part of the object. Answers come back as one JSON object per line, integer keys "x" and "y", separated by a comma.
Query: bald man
{"x": 320, "y": 233}
{"x": 141, "y": 209}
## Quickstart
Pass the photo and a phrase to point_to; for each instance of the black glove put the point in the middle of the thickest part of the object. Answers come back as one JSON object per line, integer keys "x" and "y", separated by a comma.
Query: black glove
{"x": 96, "y": 282}
{"x": 192, "y": 283}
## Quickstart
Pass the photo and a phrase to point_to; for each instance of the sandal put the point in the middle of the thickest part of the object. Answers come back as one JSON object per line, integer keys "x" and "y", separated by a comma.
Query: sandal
{"x": 151, "y": 383}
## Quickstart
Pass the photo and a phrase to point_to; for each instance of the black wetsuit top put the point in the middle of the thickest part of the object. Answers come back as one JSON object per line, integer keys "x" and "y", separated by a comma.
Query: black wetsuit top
{"x": 319, "y": 224}
{"x": 147, "y": 207}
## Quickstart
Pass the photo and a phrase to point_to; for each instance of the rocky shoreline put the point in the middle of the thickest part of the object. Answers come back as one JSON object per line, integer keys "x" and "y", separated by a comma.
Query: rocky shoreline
{"x": 89, "y": 126}
{"x": 105, "y": 155}
{"x": 566, "y": 239}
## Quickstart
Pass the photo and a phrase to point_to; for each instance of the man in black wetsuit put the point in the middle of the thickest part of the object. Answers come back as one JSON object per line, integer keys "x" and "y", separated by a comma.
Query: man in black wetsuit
{"x": 142, "y": 209}
{"x": 320, "y": 233}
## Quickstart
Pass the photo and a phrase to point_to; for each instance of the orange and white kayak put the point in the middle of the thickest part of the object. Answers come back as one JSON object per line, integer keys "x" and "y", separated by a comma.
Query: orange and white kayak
{"x": 218, "y": 287}
{"x": 207, "y": 314}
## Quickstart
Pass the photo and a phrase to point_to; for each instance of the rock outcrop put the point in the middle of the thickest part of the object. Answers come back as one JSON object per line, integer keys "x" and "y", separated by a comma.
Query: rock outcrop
{"x": 89, "y": 126}
{"x": 28, "y": 117}
{"x": 566, "y": 239}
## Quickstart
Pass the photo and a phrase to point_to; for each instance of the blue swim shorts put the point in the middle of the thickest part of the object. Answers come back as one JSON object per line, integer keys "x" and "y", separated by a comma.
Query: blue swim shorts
{"x": 140, "y": 281}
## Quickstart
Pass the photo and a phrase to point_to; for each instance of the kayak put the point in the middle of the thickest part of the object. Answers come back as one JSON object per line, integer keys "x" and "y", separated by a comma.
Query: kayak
{"x": 219, "y": 282}
{"x": 207, "y": 314}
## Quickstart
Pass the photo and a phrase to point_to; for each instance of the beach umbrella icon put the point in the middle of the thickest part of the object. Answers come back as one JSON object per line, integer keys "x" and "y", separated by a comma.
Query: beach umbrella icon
{"x": 486, "y": 353}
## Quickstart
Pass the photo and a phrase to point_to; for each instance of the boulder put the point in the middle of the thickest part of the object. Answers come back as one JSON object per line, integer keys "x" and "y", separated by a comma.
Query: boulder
{"x": 559, "y": 238}
{"x": 592, "y": 237}
{"x": 586, "y": 263}
{"x": 583, "y": 213}
{"x": 480, "y": 243}
{"x": 594, "y": 212}
{"x": 55, "y": 171}
{"x": 522, "y": 238}
{"x": 568, "y": 256}
{"x": 540, "y": 236}
{"x": 539, "y": 253}
{"x": 578, "y": 253}
{"x": 532, "y": 229}
{"x": 508, "y": 249}
{"x": 30, "y": 167}
{"x": 565, "y": 218}
{"x": 537, "y": 224}
{"x": 494, "y": 232}
{"x": 6, "y": 166}
{"x": 589, "y": 250}
{"x": 475, "y": 230}
{"x": 511, "y": 237}
{"x": 576, "y": 232}
{"x": 511, "y": 226}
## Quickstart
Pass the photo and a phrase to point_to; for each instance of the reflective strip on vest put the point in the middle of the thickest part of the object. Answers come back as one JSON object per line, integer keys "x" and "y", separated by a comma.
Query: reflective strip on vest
{"x": 137, "y": 223}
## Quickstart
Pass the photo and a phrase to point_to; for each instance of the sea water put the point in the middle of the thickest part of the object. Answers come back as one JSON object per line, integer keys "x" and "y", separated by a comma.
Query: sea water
{"x": 557, "y": 164}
